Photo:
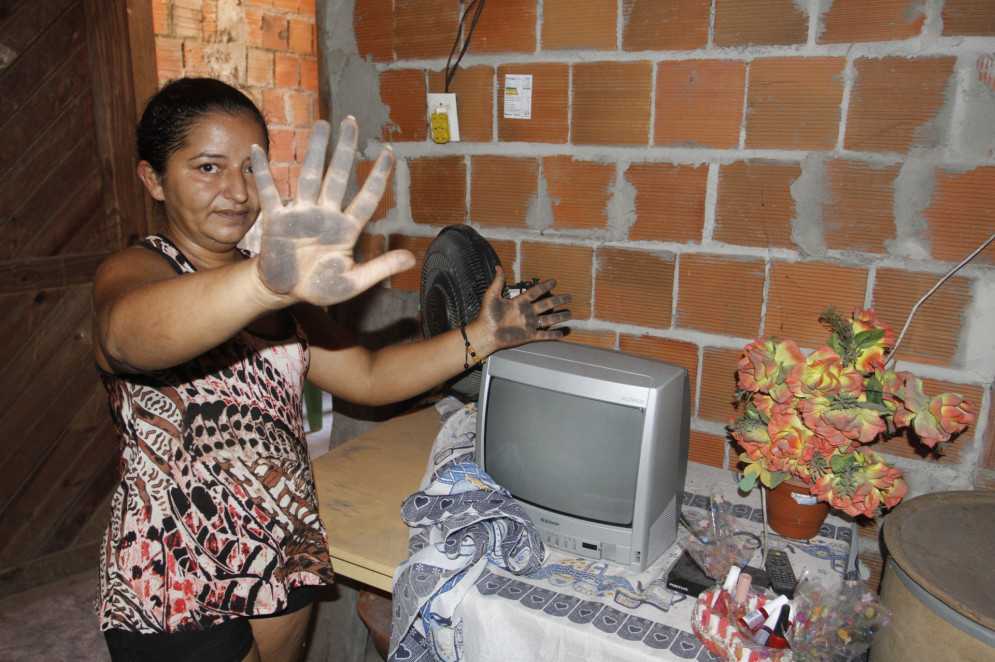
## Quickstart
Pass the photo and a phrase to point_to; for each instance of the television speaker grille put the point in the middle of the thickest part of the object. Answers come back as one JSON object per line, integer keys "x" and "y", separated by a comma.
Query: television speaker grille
{"x": 663, "y": 533}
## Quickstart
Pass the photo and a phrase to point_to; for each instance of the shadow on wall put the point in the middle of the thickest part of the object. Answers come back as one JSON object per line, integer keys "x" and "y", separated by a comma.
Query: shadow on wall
{"x": 377, "y": 318}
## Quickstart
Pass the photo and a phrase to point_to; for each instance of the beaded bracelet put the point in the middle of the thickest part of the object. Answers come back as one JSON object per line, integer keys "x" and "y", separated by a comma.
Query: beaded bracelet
{"x": 469, "y": 350}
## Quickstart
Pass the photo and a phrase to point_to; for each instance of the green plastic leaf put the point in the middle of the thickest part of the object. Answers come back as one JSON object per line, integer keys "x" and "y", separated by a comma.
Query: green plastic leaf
{"x": 775, "y": 478}
{"x": 840, "y": 463}
{"x": 748, "y": 481}
{"x": 837, "y": 344}
{"x": 873, "y": 387}
{"x": 755, "y": 414}
{"x": 868, "y": 338}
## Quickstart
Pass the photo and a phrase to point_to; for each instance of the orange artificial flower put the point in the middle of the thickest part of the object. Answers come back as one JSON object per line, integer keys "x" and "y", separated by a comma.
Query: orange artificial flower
{"x": 872, "y": 358}
{"x": 810, "y": 416}
{"x": 765, "y": 363}
{"x": 842, "y": 420}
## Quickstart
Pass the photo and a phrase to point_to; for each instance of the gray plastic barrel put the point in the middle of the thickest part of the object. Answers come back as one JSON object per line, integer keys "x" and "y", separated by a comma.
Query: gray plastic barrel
{"x": 939, "y": 580}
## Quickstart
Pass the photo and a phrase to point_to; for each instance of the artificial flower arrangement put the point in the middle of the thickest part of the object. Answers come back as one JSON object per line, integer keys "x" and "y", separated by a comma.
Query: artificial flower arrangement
{"x": 813, "y": 417}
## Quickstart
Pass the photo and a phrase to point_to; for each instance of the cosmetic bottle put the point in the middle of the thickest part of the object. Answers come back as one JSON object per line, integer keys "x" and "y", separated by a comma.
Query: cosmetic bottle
{"x": 762, "y": 636}
{"x": 731, "y": 578}
{"x": 720, "y": 604}
{"x": 753, "y": 620}
{"x": 779, "y": 637}
{"x": 738, "y": 605}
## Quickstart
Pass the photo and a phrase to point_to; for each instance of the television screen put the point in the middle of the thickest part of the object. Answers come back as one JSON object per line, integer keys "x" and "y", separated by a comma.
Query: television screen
{"x": 579, "y": 438}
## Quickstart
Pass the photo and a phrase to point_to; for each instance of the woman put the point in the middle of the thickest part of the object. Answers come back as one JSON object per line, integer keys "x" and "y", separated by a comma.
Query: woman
{"x": 214, "y": 545}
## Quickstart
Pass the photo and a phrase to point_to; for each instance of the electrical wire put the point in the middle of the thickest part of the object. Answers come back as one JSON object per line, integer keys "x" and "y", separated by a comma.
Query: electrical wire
{"x": 891, "y": 357}
{"x": 763, "y": 510}
{"x": 476, "y": 6}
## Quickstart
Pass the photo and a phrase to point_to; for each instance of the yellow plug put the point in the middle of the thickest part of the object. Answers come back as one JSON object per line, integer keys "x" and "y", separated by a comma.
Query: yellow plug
{"x": 440, "y": 125}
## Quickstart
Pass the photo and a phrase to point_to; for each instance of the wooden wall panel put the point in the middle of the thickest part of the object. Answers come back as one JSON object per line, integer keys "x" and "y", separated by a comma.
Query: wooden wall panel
{"x": 26, "y": 174}
{"x": 68, "y": 197}
{"x": 40, "y": 56}
{"x": 18, "y": 315}
{"x": 86, "y": 517}
{"x": 43, "y": 504}
{"x": 46, "y": 337}
{"x": 20, "y": 26}
{"x": 53, "y": 95}
{"x": 61, "y": 217}
{"x": 46, "y": 403}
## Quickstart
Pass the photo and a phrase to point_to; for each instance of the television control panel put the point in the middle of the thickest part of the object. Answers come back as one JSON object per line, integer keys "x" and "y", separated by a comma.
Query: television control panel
{"x": 581, "y": 547}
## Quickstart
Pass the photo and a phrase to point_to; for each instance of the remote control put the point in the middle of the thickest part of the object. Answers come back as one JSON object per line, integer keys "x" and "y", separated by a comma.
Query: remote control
{"x": 782, "y": 577}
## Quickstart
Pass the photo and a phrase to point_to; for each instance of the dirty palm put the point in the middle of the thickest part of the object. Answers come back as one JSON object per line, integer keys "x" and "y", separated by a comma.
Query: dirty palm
{"x": 306, "y": 246}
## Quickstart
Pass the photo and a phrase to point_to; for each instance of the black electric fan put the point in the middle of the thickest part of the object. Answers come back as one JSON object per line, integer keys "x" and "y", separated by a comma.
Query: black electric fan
{"x": 459, "y": 266}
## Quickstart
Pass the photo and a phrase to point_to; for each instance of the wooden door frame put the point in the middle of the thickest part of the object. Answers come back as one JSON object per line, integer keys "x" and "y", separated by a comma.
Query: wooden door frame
{"x": 120, "y": 105}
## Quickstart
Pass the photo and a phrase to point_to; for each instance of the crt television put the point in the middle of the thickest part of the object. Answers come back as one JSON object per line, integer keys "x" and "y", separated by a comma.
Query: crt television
{"x": 593, "y": 443}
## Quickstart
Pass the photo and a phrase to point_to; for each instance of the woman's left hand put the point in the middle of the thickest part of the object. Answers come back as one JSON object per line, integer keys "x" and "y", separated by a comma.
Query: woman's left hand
{"x": 526, "y": 318}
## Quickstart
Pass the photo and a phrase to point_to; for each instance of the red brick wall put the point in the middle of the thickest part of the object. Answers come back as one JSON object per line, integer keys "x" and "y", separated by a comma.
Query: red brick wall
{"x": 703, "y": 179}
{"x": 701, "y": 172}
{"x": 267, "y": 48}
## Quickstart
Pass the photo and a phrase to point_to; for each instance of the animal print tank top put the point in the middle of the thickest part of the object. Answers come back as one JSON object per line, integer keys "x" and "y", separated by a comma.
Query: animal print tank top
{"x": 215, "y": 515}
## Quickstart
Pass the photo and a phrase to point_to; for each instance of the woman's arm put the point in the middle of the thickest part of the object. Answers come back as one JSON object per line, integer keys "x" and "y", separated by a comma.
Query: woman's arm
{"x": 397, "y": 372}
{"x": 147, "y": 317}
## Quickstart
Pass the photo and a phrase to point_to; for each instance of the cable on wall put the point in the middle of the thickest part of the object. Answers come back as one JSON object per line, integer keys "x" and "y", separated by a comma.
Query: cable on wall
{"x": 476, "y": 6}
{"x": 891, "y": 356}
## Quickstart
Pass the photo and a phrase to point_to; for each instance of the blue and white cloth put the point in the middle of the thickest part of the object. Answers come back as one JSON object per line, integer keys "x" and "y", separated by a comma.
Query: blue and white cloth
{"x": 461, "y": 520}
{"x": 570, "y": 608}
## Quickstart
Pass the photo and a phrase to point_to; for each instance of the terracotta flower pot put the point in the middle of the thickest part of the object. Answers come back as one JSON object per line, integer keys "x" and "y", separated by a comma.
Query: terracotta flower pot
{"x": 793, "y": 512}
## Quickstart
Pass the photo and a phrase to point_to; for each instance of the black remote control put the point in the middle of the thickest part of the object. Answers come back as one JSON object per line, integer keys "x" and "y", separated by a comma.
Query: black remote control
{"x": 782, "y": 577}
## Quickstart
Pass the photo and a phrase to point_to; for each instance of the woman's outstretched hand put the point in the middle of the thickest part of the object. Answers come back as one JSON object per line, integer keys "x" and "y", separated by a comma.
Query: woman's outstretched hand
{"x": 306, "y": 250}
{"x": 525, "y": 318}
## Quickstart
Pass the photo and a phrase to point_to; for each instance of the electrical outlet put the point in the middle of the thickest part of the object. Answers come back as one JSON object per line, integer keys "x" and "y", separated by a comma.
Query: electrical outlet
{"x": 448, "y": 103}
{"x": 440, "y": 125}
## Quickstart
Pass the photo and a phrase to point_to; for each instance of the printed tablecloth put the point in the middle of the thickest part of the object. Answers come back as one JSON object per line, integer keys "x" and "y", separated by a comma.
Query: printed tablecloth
{"x": 578, "y": 608}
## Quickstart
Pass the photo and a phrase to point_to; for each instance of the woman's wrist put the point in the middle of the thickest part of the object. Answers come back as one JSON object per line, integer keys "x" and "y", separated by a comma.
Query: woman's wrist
{"x": 477, "y": 344}
{"x": 266, "y": 297}
{"x": 469, "y": 353}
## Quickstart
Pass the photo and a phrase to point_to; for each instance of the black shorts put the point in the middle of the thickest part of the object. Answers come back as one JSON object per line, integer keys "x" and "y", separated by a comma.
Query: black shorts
{"x": 230, "y": 641}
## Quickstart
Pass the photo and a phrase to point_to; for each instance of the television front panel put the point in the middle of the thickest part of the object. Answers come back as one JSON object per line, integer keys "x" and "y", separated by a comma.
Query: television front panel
{"x": 592, "y": 443}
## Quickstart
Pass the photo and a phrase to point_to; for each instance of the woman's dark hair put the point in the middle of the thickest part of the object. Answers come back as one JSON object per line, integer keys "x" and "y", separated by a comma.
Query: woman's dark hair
{"x": 170, "y": 114}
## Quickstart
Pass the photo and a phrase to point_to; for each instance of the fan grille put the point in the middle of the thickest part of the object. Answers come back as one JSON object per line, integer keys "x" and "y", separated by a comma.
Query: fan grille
{"x": 458, "y": 268}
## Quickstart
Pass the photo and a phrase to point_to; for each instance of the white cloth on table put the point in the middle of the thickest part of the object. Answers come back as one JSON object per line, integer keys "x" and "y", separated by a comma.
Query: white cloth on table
{"x": 576, "y": 608}
{"x": 461, "y": 521}
{"x": 580, "y": 608}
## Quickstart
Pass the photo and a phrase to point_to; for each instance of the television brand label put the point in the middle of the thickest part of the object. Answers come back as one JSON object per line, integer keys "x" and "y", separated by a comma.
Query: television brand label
{"x": 545, "y": 520}
{"x": 633, "y": 400}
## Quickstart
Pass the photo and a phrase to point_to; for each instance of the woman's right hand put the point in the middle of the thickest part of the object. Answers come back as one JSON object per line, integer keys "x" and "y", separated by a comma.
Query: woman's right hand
{"x": 306, "y": 249}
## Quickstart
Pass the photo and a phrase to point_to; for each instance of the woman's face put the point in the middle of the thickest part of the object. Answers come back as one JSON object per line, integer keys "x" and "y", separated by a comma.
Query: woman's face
{"x": 208, "y": 191}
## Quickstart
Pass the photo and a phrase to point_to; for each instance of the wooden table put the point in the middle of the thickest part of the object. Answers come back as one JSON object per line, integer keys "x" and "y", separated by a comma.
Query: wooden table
{"x": 361, "y": 485}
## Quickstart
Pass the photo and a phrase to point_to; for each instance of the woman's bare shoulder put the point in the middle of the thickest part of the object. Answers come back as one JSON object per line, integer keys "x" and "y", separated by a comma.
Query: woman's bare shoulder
{"x": 137, "y": 257}
{"x": 130, "y": 267}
